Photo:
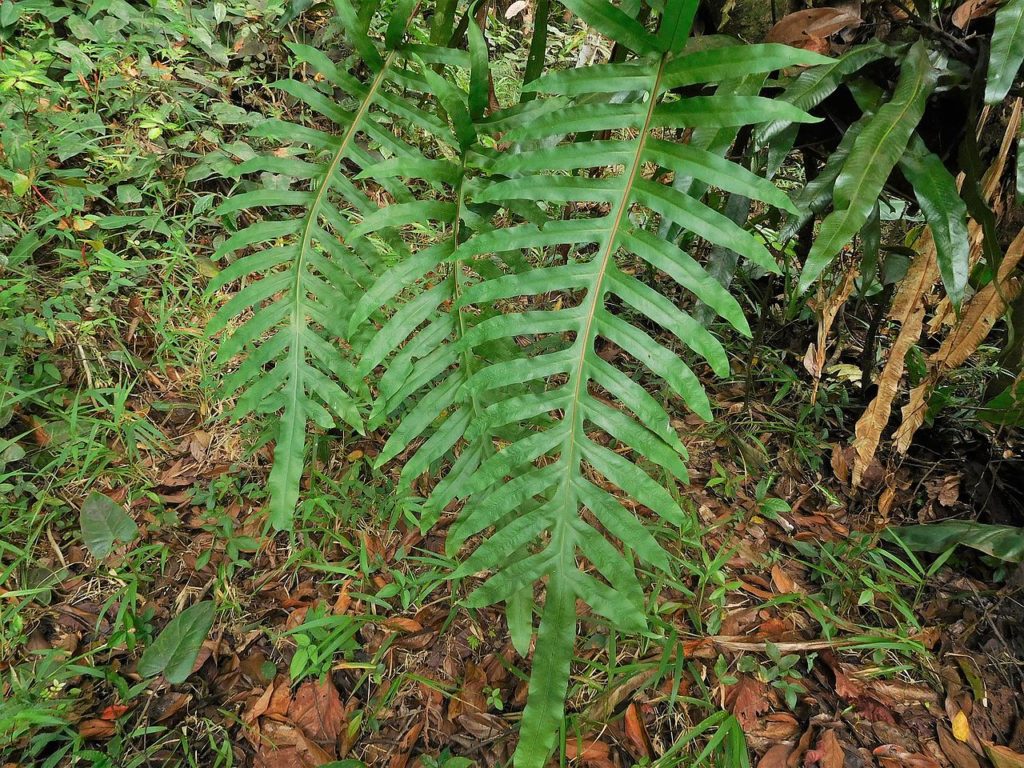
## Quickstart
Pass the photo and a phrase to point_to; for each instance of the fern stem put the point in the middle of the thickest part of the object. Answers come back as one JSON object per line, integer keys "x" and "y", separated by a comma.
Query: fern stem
{"x": 457, "y": 284}
{"x": 587, "y": 338}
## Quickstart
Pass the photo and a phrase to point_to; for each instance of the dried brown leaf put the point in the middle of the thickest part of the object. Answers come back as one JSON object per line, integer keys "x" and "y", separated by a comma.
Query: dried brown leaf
{"x": 405, "y": 746}
{"x": 636, "y": 732}
{"x": 608, "y": 702}
{"x": 796, "y": 757}
{"x": 976, "y": 320}
{"x": 971, "y": 10}
{"x": 470, "y": 697}
{"x": 960, "y": 755}
{"x": 827, "y": 753}
{"x": 167, "y": 705}
{"x": 746, "y": 700}
{"x": 344, "y": 600}
{"x": 869, "y": 427}
{"x": 784, "y": 583}
{"x": 775, "y": 757}
{"x": 829, "y": 310}
{"x": 803, "y": 28}
{"x": 96, "y": 728}
{"x": 590, "y": 752}
{"x": 907, "y": 310}
{"x": 317, "y": 710}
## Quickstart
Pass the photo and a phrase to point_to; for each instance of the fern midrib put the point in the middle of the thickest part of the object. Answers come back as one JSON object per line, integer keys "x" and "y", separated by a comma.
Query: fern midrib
{"x": 314, "y": 209}
{"x": 457, "y": 287}
{"x": 586, "y": 340}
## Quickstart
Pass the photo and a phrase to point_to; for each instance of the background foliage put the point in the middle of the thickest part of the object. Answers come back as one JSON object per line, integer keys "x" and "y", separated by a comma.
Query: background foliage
{"x": 469, "y": 298}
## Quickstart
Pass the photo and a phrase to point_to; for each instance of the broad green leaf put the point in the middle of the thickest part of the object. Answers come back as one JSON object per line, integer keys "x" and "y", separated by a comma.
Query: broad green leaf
{"x": 1007, "y": 51}
{"x": 615, "y": 24}
{"x": 874, "y": 154}
{"x": 597, "y": 78}
{"x": 20, "y": 184}
{"x": 676, "y": 21}
{"x": 716, "y": 171}
{"x": 816, "y": 195}
{"x": 103, "y": 522}
{"x": 176, "y": 648}
{"x": 946, "y": 214}
{"x": 1005, "y": 542}
{"x": 549, "y": 676}
{"x": 814, "y": 85}
{"x": 734, "y": 62}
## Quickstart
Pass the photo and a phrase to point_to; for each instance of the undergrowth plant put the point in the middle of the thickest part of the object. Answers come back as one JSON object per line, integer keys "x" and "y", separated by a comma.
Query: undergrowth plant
{"x": 302, "y": 271}
{"x": 510, "y": 291}
{"x": 560, "y": 196}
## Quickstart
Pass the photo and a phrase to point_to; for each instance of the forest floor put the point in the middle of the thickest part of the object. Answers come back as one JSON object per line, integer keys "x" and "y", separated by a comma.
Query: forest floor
{"x": 343, "y": 640}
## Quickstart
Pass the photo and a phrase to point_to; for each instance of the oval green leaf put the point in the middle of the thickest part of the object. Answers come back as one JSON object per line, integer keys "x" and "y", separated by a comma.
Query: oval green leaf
{"x": 103, "y": 521}
{"x": 174, "y": 651}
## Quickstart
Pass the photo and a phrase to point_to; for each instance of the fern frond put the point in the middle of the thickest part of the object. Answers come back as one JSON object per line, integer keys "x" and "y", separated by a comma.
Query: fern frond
{"x": 303, "y": 272}
{"x": 873, "y": 155}
{"x": 426, "y": 368}
{"x": 584, "y": 431}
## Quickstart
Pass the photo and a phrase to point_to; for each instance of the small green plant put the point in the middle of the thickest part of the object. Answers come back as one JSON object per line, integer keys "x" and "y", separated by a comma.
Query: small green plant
{"x": 320, "y": 640}
{"x": 781, "y": 673}
{"x": 769, "y": 506}
{"x": 725, "y": 481}
{"x": 446, "y": 760}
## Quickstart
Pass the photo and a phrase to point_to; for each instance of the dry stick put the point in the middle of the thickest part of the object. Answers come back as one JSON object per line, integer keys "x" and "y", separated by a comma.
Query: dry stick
{"x": 933, "y": 29}
{"x": 755, "y": 343}
{"x": 867, "y": 357}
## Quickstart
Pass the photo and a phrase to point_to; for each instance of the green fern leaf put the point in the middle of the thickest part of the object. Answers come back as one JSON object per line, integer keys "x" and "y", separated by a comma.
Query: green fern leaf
{"x": 564, "y": 406}
{"x": 300, "y": 273}
{"x": 427, "y": 371}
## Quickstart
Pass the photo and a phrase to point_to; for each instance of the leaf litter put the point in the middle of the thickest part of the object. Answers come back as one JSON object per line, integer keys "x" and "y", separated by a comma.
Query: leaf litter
{"x": 424, "y": 680}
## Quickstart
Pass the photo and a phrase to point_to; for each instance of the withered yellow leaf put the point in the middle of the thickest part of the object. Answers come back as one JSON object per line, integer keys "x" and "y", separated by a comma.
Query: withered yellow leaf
{"x": 961, "y": 726}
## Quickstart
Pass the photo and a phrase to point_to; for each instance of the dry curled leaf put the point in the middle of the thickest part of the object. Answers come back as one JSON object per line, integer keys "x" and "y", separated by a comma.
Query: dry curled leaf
{"x": 960, "y": 755}
{"x": 515, "y": 9}
{"x": 784, "y": 583}
{"x": 827, "y": 753}
{"x": 804, "y": 29}
{"x": 96, "y": 728}
{"x": 609, "y": 701}
{"x": 976, "y": 320}
{"x": 471, "y": 696}
{"x": 971, "y": 10}
{"x": 746, "y": 700}
{"x": 828, "y": 309}
{"x": 590, "y": 752}
{"x": 907, "y": 310}
{"x": 895, "y": 756}
{"x": 401, "y": 757}
{"x": 636, "y": 732}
